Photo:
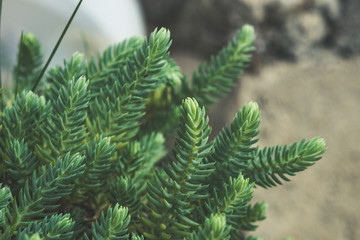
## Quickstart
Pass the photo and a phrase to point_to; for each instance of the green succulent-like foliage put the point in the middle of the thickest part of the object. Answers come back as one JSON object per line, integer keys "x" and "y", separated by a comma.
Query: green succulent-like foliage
{"x": 65, "y": 129}
{"x": 105, "y": 70}
{"x": 233, "y": 200}
{"x": 54, "y": 227}
{"x": 113, "y": 226}
{"x": 121, "y": 104}
{"x": 58, "y": 77}
{"x": 173, "y": 190}
{"x": 40, "y": 195}
{"x": 125, "y": 193}
{"x": 21, "y": 124}
{"x": 97, "y": 172}
{"x": 254, "y": 214}
{"x": 267, "y": 165}
{"x": 84, "y": 157}
{"x": 232, "y": 145}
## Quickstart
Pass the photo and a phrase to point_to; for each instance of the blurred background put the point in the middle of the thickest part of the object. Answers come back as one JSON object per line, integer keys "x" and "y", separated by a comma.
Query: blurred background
{"x": 305, "y": 76}
{"x": 96, "y": 25}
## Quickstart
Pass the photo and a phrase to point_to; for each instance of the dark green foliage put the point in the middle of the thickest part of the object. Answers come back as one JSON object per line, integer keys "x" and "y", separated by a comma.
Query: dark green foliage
{"x": 152, "y": 150}
{"x": 125, "y": 193}
{"x": 59, "y": 77}
{"x": 55, "y": 227}
{"x": 232, "y": 146}
{"x": 86, "y": 158}
{"x": 40, "y": 195}
{"x": 254, "y": 214}
{"x": 176, "y": 186}
{"x": 65, "y": 128}
{"x": 97, "y": 170}
{"x": 232, "y": 201}
{"x": 104, "y": 71}
{"x": 118, "y": 107}
{"x": 20, "y": 165}
{"x": 21, "y": 125}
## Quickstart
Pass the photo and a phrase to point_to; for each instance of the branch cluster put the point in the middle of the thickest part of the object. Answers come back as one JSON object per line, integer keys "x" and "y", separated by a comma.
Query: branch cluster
{"x": 85, "y": 157}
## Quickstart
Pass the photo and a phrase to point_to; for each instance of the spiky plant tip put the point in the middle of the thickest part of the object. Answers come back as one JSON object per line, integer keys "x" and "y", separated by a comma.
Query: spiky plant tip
{"x": 317, "y": 146}
{"x": 250, "y": 115}
{"x": 247, "y": 35}
{"x": 215, "y": 228}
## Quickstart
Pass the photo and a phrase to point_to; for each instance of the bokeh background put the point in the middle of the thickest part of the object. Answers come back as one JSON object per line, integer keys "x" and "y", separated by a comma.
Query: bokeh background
{"x": 305, "y": 76}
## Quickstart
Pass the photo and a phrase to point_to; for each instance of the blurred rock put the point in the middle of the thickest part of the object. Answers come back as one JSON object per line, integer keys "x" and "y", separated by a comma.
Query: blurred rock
{"x": 306, "y": 29}
{"x": 198, "y": 26}
{"x": 347, "y": 39}
{"x": 286, "y": 29}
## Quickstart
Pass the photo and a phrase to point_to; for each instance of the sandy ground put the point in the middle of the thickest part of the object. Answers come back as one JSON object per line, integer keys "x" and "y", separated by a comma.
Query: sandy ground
{"x": 319, "y": 96}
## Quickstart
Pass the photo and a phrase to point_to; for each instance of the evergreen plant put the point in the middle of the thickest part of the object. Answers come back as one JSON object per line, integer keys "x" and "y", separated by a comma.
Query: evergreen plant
{"x": 86, "y": 155}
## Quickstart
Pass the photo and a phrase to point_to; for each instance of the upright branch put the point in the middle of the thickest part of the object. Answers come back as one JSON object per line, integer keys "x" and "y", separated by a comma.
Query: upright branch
{"x": 215, "y": 80}
{"x": 174, "y": 190}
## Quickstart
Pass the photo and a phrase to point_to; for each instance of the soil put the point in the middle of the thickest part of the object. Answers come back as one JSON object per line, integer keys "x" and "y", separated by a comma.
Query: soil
{"x": 317, "y": 96}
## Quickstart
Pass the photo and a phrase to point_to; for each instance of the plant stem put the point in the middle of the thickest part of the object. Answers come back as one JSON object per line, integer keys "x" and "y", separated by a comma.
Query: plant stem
{"x": 56, "y": 46}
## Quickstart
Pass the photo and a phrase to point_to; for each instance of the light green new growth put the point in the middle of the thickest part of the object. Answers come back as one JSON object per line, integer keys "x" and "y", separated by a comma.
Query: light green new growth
{"x": 113, "y": 226}
{"x": 214, "y": 228}
{"x": 85, "y": 156}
